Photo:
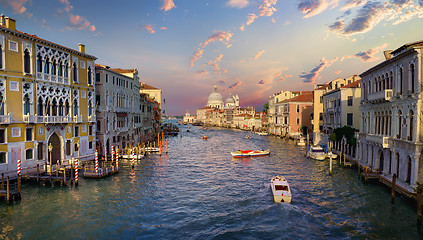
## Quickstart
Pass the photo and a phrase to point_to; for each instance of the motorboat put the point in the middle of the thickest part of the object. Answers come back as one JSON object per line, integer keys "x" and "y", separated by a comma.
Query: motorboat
{"x": 262, "y": 133}
{"x": 205, "y": 137}
{"x": 317, "y": 153}
{"x": 328, "y": 155}
{"x": 280, "y": 189}
{"x": 126, "y": 156}
{"x": 250, "y": 153}
{"x": 301, "y": 142}
{"x": 247, "y": 137}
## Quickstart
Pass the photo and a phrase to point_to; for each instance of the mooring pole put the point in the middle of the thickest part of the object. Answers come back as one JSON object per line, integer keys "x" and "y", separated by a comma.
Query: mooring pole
{"x": 394, "y": 179}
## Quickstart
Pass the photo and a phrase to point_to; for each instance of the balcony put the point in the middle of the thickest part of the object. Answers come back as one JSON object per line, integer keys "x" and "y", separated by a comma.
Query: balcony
{"x": 381, "y": 96}
{"x": 91, "y": 118}
{"x": 5, "y": 119}
{"x": 53, "y": 78}
{"x": 47, "y": 77}
{"x": 378, "y": 139}
{"x": 30, "y": 118}
{"x": 77, "y": 119}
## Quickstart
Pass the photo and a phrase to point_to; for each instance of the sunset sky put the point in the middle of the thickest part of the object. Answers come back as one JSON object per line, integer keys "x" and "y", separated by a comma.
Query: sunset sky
{"x": 253, "y": 48}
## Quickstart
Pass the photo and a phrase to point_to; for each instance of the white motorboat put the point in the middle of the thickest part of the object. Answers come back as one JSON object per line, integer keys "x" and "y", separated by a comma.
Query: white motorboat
{"x": 317, "y": 153}
{"x": 262, "y": 133}
{"x": 126, "y": 156}
{"x": 250, "y": 153}
{"x": 301, "y": 142}
{"x": 328, "y": 155}
{"x": 280, "y": 189}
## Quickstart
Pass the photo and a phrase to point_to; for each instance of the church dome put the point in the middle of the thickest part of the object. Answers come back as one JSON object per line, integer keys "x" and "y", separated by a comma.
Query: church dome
{"x": 215, "y": 96}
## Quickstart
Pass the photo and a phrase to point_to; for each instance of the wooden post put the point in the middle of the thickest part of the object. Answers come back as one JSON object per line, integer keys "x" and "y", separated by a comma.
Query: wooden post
{"x": 38, "y": 173}
{"x": 394, "y": 180}
{"x": 166, "y": 146}
{"x": 308, "y": 147}
{"x": 19, "y": 185}
{"x": 64, "y": 175}
{"x": 2, "y": 181}
{"x": 71, "y": 174}
{"x": 358, "y": 167}
{"x": 345, "y": 155}
{"x": 419, "y": 205}
{"x": 341, "y": 153}
{"x": 365, "y": 174}
{"x": 57, "y": 170}
{"x": 8, "y": 190}
{"x": 330, "y": 163}
{"x": 143, "y": 148}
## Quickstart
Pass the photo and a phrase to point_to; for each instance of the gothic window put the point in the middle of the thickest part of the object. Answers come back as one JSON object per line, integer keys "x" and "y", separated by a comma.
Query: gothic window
{"x": 61, "y": 107}
{"x": 410, "y": 135}
{"x": 67, "y": 108}
{"x": 40, "y": 107}
{"x": 47, "y": 66}
{"x": 27, "y": 61}
{"x": 75, "y": 107}
{"x": 39, "y": 63}
{"x": 75, "y": 73}
{"x": 390, "y": 80}
{"x": 412, "y": 77}
{"x": 90, "y": 109}
{"x": 89, "y": 76}
{"x": 66, "y": 70}
{"x": 399, "y": 123}
{"x": 54, "y": 67}
{"x": 48, "y": 112}
{"x": 60, "y": 69}
{"x": 54, "y": 108}
{"x": 27, "y": 105}
{"x": 400, "y": 81}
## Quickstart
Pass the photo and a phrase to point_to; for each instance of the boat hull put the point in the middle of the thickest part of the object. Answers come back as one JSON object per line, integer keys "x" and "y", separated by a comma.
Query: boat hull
{"x": 241, "y": 154}
{"x": 280, "y": 189}
{"x": 286, "y": 199}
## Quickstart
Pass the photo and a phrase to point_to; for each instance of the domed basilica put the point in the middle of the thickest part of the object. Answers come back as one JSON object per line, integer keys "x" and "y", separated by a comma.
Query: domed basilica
{"x": 215, "y": 100}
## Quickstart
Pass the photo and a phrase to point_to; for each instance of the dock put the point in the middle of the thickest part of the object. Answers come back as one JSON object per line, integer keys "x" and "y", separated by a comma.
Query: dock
{"x": 105, "y": 170}
{"x": 10, "y": 189}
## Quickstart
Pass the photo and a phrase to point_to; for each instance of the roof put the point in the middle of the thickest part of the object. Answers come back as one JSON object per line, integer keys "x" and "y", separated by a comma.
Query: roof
{"x": 406, "y": 46}
{"x": 307, "y": 97}
{"x": 145, "y": 86}
{"x": 321, "y": 86}
{"x": 206, "y": 107}
{"x": 355, "y": 84}
{"x": 244, "y": 115}
{"x": 120, "y": 70}
{"x": 36, "y": 38}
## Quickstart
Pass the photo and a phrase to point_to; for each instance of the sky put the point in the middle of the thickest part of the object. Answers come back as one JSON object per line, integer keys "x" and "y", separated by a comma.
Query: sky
{"x": 253, "y": 48}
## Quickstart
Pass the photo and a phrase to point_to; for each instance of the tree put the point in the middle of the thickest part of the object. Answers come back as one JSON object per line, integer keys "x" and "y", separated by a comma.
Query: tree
{"x": 346, "y": 131}
{"x": 265, "y": 107}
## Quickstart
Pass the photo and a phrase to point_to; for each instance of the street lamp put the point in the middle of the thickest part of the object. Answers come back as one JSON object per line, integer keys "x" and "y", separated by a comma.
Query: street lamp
{"x": 50, "y": 148}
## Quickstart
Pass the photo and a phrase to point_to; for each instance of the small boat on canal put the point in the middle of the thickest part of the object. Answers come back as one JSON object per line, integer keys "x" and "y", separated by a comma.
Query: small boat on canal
{"x": 328, "y": 155}
{"x": 262, "y": 133}
{"x": 205, "y": 137}
{"x": 280, "y": 189}
{"x": 129, "y": 156}
{"x": 301, "y": 142}
{"x": 247, "y": 137}
{"x": 317, "y": 153}
{"x": 250, "y": 153}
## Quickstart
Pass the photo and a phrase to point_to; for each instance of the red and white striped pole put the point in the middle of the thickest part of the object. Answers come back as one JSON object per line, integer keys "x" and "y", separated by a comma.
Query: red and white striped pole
{"x": 166, "y": 146}
{"x": 133, "y": 157}
{"x": 76, "y": 171}
{"x": 117, "y": 158}
{"x": 19, "y": 168}
{"x": 96, "y": 162}
{"x": 160, "y": 148}
{"x": 113, "y": 153}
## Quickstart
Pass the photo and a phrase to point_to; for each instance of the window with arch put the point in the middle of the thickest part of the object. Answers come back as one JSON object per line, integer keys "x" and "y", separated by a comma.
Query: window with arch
{"x": 75, "y": 107}
{"x": 54, "y": 67}
{"x": 61, "y": 108}
{"x": 48, "y": 112}
{"x": 54, "y": 107}
{"x": 27, "y": 61}
{"x": 75, "y": 72}
{"x": 39, "y": 63}
{"x": 67, "y": 107}
{"x": 412, "y": 76}
{"x": 411, "y": 128}
{"x": 27, "y": 105}
{"x": 399, "y": 123}
{"x": 60, "y": 69}
{"x": 400, "y": 80}
{"x": 98, "y": 127}
{"x": 1, "y": 56}
{"x": 90, "y": 76}
{"x": 66, "y": 73}
{"x": 40, "y": 107}
{"x": 47, "y": 66}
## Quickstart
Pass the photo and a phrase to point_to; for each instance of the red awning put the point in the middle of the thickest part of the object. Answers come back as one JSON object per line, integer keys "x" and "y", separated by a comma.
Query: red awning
{"x": 122, "y": 114}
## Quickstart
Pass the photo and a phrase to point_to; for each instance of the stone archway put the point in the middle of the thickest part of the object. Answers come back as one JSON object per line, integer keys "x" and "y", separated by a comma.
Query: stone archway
{"x": 56, "y": 153}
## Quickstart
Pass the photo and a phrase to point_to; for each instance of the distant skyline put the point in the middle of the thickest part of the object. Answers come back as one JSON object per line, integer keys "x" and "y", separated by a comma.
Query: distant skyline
{"x": 245, "y": 47}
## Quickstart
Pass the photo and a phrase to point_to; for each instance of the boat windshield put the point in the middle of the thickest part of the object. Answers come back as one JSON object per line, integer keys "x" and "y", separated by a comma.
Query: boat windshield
{"x": 281, "y": 188}
{"x": 317, "y": 150}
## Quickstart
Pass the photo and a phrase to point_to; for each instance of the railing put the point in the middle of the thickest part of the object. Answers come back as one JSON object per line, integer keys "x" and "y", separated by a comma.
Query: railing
{"x": 5, "y": 119}
{"x": 384, "y": 95}
{"x": 39, "y": 75}
{"x": 60, "y": 79}
{"x": 30, "y": 118}
{"x": 77, "y": 119}
{"x": 91, "y": 118}
{"x": 378, "y": 139}
{"x": 66, "y": 80}
{"x": 53, "y": 78}
{"x": 46, "y": 77}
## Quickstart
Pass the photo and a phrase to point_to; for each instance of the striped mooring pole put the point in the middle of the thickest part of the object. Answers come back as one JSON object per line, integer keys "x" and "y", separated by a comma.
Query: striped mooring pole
{"x": 96, "y": 162}
{"x": 113, "y": 153}
{"x": 76, "y": 171}
{"x": 133, "y": 157}
{"x": 19, "y": 168}
{"x": 117, "y": 158}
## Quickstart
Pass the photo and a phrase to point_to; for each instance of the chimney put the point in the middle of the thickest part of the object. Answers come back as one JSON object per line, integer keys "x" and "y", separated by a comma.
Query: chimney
{"x": 82, "y": 48}
{"x": 8, "y": 22}
{"x": 2, "y": 19}
{"x": 387, "y": 54}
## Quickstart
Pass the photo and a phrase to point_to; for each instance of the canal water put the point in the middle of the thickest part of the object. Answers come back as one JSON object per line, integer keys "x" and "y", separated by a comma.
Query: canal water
{"x": 198, "y": 191}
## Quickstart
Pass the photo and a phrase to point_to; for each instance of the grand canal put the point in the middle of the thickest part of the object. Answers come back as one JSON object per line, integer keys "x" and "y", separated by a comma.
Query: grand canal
{"x": 198, "y": 191}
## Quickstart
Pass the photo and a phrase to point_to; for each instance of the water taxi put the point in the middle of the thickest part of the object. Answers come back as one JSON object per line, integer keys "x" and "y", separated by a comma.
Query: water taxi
{"x": 262, "y": 133}
{"x": 250, "y": 153}
{"x": 317, "y": 153}
{"x": 280, "y": 189}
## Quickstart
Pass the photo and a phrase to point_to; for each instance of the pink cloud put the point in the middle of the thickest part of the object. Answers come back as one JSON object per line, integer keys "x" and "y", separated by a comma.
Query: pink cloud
{"x": 250, "y": 19}
{"x": 203, "y": 72}
{"x": 238, "y": 3}
{"x": 18, "y": 6}
{"x": 214, "y": 64}
{"x": 219, "y": 36}
{"x": 163, "y": 28}
{"x": 167, "y": 5}
{"x": 312, "y": 7}
{"x": 79, "y": 22}
{"x": 258, "y": 54}
{"x": 150, "y": 28}
{"x": 266, "y": 8}
{"x": 337, "y": 72}
{"x": 197, "y": 55}
{"x": 369, "y": 55}
{"x": 313, "y": 75}
{"x": 237, "y": 84}
{"x": 353, "y": 4}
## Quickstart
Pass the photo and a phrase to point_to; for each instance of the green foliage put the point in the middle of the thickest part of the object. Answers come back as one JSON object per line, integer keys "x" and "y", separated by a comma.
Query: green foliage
{"x": 265, "y": 107}
{"x": 346, "y": 131}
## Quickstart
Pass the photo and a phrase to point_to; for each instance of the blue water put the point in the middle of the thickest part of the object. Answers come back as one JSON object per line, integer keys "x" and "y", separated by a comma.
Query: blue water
{"x": 198, "y": 191}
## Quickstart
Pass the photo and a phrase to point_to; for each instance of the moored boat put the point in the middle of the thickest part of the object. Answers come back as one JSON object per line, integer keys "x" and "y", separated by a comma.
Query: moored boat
{"x": 328, "y": 155}
{"x": 301, "y": 142}
{"x": 205, "y": 137}
{"x": 280, "y": 189}
{"x": 262, "y": 133}
{"x": 247, "y": 137}
{"x": 317, "y": 153}
{"x": 250, "y": 153}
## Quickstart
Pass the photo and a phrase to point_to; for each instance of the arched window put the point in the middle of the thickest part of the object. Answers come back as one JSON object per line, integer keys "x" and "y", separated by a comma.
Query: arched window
{"x": 27, "y": 105}
{"x": 90, "y": 108}
{"x": 75, "y": 73}
{"x": 98, "y": 125}
{"x": 2, "y": 103}
{"x": 40, "y": 107}
{"x": 61, "y": 110}
{"x": 39, "y": 63}
{"x": 89, "y": 76}
{"x": 60, "y": 69}
{"x": 383, "y": 83}
{"x": 412, "y": 77}
{"x": 400, "y": 81}
{"x": 391, "y": 79}
{"x": 66, "y": 69}
{"x": 54, "y": 68}
{"x": 27, "y": 61}
{"x": 54, "y": 107}
{"x": 75, "y": 107}
{"x": 67, "y": 108}
{"x": 410, "y": 134}
{"x": 408, "y": 179}
{"x": 48, "y": 112}
{"x": 399, "y": 123}
{"x": 47, "y": 66}
{"x": 398, "y": 165}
